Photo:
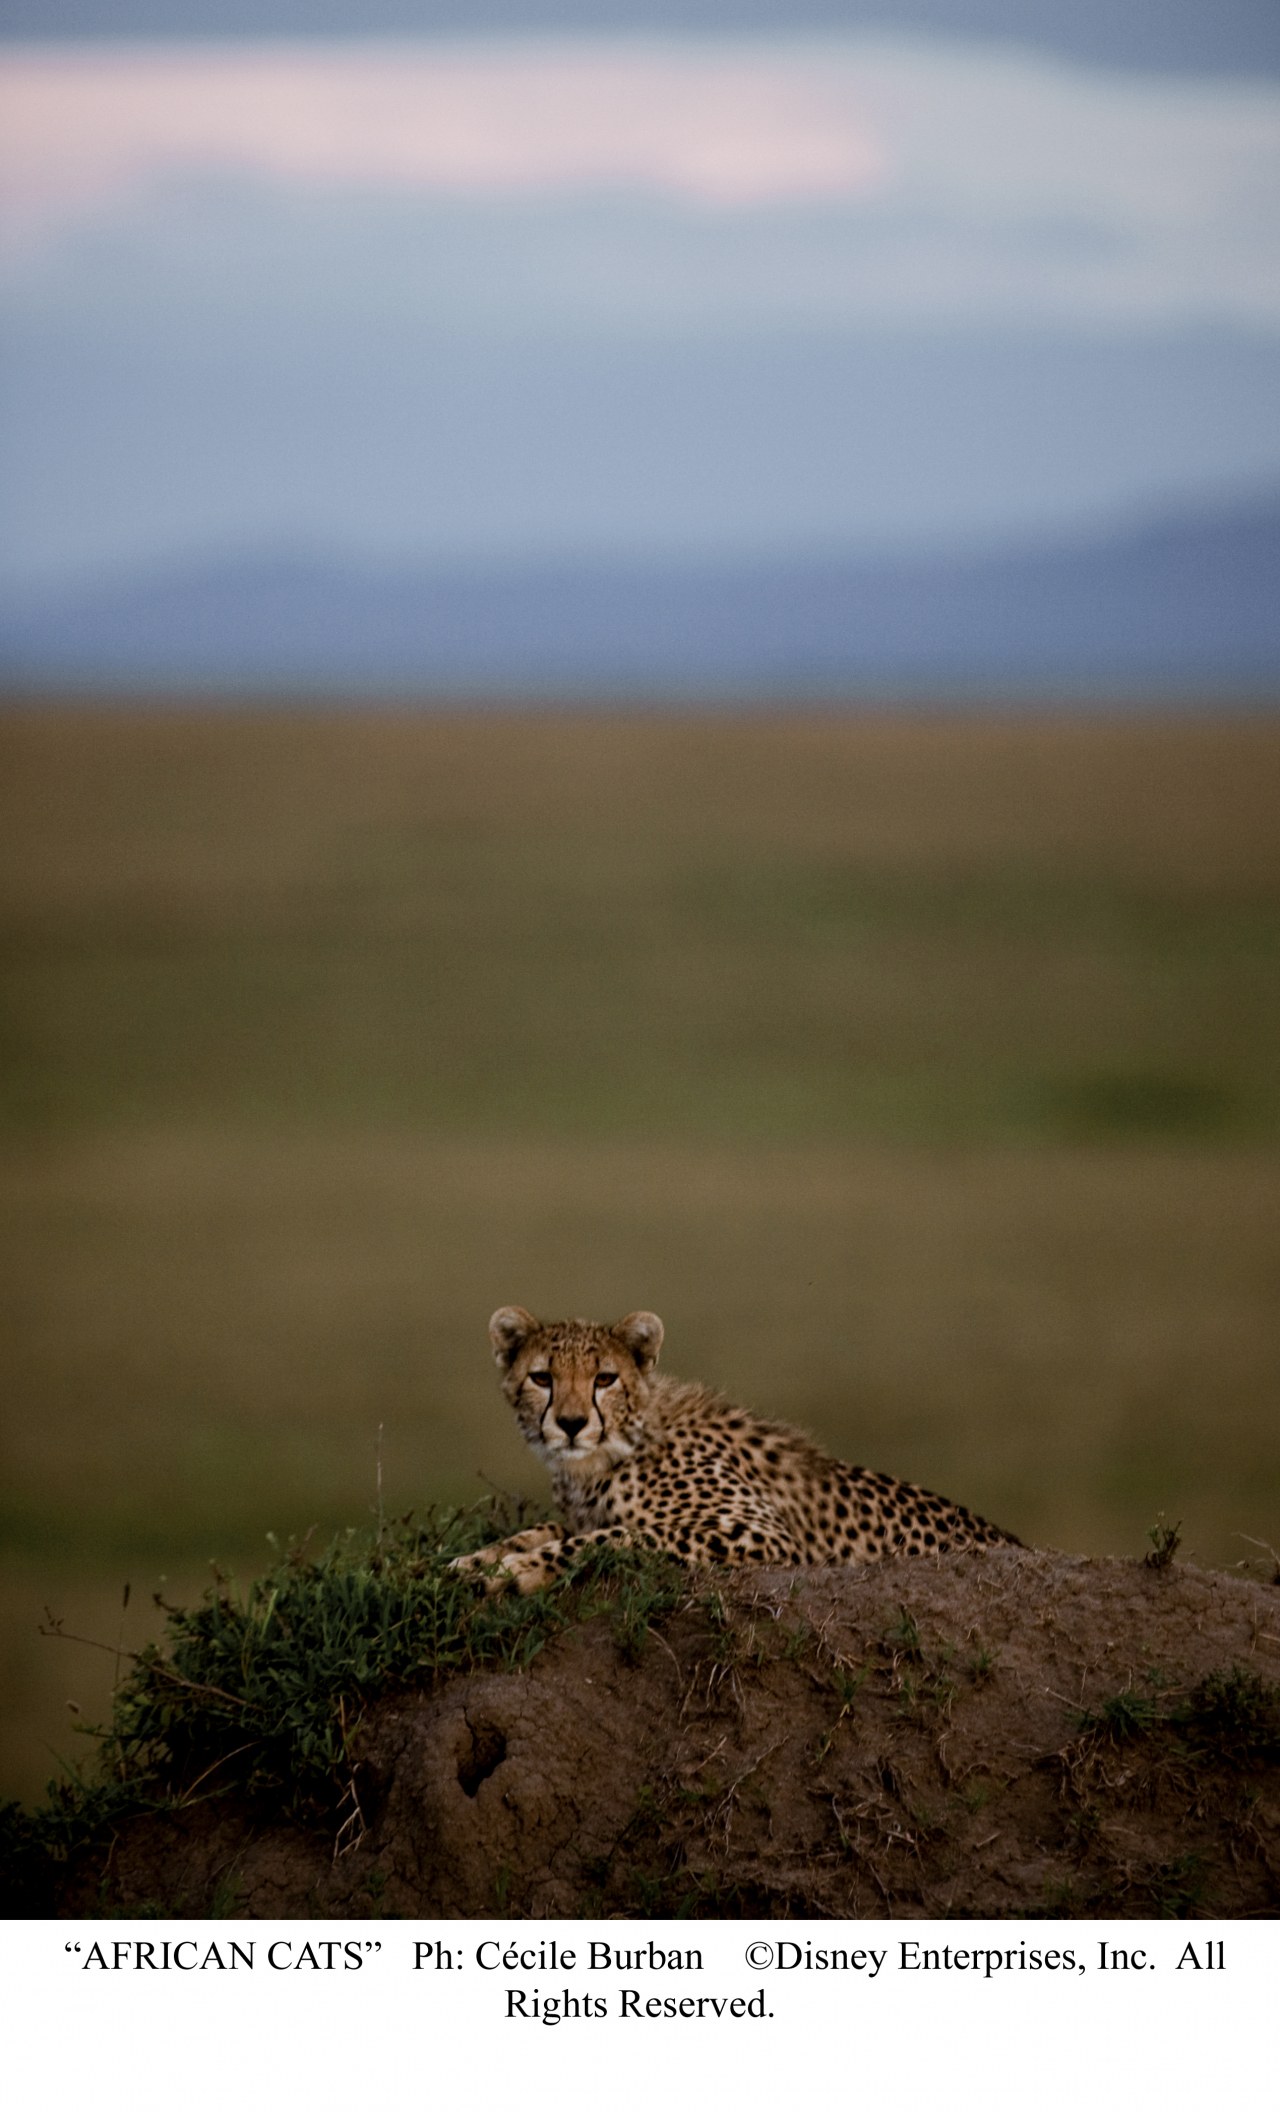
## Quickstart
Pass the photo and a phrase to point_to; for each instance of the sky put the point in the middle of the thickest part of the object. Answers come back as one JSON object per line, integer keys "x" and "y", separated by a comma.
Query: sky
{"x": 891, "y": 279}
{"x": 1231, "y": 36}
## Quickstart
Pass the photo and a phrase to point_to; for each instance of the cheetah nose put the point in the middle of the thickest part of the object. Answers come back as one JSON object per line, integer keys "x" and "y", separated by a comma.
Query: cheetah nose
{"x": 571, "y": 1424}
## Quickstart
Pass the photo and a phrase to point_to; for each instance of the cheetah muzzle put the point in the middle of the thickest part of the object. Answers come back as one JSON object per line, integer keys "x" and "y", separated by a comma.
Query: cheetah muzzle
{"x": 640, "y": 1459}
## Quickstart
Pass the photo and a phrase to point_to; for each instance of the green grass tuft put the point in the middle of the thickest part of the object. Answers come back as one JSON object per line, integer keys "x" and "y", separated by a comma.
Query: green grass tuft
{"x": 1233, "y": 1718}
{"x": 1122, "y": 1716}
{"x": 263, "y": 1692}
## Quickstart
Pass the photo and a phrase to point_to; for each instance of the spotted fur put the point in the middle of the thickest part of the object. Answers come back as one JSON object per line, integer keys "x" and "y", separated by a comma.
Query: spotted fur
{"x": 639, "y": 1458}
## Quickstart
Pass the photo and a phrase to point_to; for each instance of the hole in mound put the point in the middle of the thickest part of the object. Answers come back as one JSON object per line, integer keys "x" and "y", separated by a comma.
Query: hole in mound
{"x": 488, "y": 1751}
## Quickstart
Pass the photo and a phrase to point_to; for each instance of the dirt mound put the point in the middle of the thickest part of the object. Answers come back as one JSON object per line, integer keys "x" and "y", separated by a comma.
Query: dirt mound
{"x": 1004, "y": 1733}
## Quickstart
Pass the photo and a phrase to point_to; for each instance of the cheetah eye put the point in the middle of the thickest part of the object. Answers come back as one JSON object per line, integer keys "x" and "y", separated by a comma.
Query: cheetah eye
{"x": 541, "y": 1378}
{"x": 606, "y": 1378}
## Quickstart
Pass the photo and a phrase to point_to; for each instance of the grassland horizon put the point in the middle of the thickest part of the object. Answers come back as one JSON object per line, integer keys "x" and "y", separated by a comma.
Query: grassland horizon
{"x": 921, "y": 1071}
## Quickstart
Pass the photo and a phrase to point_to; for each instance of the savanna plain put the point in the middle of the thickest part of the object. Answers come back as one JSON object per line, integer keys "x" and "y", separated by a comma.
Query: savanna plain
{"x": 922, "y": 1071}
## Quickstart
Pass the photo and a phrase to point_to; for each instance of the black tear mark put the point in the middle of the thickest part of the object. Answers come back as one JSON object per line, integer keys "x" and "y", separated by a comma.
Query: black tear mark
{"x": 488, "y": 1751}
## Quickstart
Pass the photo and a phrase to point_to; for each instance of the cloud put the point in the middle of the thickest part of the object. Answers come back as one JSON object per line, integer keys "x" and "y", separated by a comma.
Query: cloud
{"x": 660, "y": 184}
{"x": 736, "y": 123}
{"x": 721, "y": 126}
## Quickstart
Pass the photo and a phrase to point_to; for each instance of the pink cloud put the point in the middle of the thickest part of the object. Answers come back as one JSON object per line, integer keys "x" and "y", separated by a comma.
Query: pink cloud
{"x": 83, "y": 127}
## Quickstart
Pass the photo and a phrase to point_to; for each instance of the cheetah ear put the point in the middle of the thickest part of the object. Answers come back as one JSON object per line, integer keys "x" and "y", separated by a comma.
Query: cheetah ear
{"x": 642, "y": 1334}
{"x": 509, "y": 1330}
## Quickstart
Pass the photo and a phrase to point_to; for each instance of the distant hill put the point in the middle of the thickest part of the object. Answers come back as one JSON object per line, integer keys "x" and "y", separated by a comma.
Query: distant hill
{"x": 1175, "y": 602}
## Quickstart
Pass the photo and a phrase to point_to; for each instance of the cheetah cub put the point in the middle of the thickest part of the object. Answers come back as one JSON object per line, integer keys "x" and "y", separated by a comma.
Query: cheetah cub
{"x": 638, "y": 1458}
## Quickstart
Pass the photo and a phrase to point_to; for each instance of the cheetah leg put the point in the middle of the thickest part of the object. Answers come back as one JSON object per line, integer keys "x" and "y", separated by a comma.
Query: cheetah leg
{"x": 773, "y": 1548}
{"x": 535, "y": 1568}
{"x": 507, "y": 1565}
{"x": 530, "y": 1561}
{"x": 487, "y": 1560}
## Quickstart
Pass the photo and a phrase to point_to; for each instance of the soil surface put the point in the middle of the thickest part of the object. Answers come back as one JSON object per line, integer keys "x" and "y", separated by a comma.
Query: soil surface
{"x": 1004, "y": 1733}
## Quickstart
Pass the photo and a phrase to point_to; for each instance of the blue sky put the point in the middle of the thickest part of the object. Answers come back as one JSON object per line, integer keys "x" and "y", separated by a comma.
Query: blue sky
{"x": 499, "y": 295}
{"x": 1226, "y": 36}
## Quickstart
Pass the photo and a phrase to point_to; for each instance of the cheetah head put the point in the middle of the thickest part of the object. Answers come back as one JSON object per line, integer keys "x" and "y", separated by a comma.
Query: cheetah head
{"x": 579, "y": 1391}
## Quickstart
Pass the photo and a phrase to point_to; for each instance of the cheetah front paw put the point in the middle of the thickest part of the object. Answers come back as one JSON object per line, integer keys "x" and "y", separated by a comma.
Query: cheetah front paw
{"x": 525, "y": 1572}
{"x": 530, "y": 1571}
{"x": 514, "y": 1561}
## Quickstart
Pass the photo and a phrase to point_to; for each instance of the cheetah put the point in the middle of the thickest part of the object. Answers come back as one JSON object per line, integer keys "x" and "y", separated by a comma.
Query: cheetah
{"x": 641, "y": 1458}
